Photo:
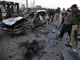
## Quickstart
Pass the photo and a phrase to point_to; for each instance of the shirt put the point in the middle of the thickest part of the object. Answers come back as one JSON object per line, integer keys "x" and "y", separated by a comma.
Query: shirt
{"x": 67, "y": 19}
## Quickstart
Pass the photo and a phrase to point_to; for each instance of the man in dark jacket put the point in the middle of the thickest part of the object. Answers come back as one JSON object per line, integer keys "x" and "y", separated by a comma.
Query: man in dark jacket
{"x": 0, "y": 15}
{"x": 75, "y": 23}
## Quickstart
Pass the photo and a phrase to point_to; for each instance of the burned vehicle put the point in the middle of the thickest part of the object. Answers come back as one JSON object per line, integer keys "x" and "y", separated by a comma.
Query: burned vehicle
{"x": 25, "y": 24}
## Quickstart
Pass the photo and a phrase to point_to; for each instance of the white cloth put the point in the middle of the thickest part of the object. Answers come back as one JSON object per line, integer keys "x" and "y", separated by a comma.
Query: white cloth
{"x": 58, "y": 21}
{"x": 4, "y": 14}
{"x": 3, "y": 10}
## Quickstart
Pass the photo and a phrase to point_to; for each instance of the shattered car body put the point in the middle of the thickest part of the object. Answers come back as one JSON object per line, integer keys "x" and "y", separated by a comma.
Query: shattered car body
{"x": 38, "y": 18}
{"x": 25, "y": 24}
{"x": 13, "y": 25}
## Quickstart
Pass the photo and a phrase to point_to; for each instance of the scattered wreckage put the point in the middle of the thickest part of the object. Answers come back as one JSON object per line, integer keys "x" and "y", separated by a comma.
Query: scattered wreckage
{"x": 25, "y": 24}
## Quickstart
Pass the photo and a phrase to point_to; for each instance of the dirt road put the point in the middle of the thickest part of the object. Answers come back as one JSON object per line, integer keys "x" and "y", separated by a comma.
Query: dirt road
{"x": 9, "y": 47}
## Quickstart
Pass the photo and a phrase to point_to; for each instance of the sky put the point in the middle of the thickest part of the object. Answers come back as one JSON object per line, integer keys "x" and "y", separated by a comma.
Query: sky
{"x": 50, "y": 3}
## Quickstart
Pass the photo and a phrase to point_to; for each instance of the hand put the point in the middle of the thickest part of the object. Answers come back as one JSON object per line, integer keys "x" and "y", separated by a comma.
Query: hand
{"x": 78, "y": 28}
{"x": 71, "y": 15}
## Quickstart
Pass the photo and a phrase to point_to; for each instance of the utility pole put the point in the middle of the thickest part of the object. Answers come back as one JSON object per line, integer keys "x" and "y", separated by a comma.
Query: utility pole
{"x": 27, "y": 4}
{"x": 34, "y": 2}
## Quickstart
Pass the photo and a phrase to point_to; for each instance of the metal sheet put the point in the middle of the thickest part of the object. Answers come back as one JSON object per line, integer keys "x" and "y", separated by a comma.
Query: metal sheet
{"x": 12, "y": 21}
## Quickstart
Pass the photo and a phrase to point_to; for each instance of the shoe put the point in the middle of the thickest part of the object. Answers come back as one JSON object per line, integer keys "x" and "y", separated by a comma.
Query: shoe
{"x": 59, "y": 36}
{"x": 60, "y": 39}
{"x": 68, "y": 45}
{"x": 68, "y": 41}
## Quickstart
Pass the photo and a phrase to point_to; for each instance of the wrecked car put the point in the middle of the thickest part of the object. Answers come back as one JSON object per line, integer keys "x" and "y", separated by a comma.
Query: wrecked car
{"x": 25, "y": 24}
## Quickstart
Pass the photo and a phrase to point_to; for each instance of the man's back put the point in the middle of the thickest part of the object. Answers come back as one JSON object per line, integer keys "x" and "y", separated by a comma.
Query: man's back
{"x": 67, "y": 18}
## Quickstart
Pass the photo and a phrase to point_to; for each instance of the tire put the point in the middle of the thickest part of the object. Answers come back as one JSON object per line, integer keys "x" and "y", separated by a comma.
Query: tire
{"x": 26, "y": 30}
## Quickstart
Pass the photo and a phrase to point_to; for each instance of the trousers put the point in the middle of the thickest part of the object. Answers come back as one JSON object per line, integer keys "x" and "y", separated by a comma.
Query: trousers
{"x": 73, "y": 39}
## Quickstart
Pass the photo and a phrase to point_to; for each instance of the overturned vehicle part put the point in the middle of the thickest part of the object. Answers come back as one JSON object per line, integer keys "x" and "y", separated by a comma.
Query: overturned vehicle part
{"x": 14, "y": 25}
{"x": 24, "y": 24}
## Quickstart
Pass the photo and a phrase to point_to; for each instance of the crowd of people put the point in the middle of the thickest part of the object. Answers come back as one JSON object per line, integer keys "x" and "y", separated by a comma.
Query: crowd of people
{"x": 8, "y": 8}
{"x": 68, "y": 21}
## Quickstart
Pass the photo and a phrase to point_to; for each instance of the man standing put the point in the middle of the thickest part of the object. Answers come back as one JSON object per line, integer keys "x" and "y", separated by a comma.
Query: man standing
{"x": 4, "y": 12}
{"x": 75, "y": 23}
{"x": 57, "y": 18}
{"x": 0, "y": 13}
{"x": 66, "y": 27}
{"x": 9, "y": 11}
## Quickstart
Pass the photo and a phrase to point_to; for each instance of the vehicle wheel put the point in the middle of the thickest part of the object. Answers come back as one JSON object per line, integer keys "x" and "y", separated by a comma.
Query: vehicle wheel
{"x": 26, "y": 30}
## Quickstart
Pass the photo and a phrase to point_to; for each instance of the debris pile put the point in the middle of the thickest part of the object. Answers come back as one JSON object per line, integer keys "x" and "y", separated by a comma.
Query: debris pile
{"x": 32, "y": 49}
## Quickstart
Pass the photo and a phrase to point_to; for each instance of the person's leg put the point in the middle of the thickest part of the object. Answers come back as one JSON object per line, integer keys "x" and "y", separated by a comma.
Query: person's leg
{"x": 69, "y": 30}
{"x": 0, "y": 19}
{"x": 62, "y": 31}
{"x": 73, "y": 39}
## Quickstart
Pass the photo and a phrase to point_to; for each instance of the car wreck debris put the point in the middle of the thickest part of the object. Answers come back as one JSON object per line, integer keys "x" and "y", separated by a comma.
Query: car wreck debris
{"x": 25, "y": 24}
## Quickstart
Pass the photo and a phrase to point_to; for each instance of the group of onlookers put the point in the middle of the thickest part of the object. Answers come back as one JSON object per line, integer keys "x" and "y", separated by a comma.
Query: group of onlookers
{"x": 68, "y": 21}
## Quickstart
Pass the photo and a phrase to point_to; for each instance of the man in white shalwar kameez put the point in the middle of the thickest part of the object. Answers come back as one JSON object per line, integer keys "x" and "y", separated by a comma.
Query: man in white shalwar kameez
{"x": 57, "y": 19}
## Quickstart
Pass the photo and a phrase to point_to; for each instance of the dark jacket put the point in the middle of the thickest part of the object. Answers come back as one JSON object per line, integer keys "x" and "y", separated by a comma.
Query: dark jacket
{"x": 75, "y": 20}
{"x": 0, "y": 13}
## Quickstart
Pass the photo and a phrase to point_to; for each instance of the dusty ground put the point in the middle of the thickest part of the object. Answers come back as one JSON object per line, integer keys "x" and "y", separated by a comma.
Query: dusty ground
{"x": 9, "y": 47}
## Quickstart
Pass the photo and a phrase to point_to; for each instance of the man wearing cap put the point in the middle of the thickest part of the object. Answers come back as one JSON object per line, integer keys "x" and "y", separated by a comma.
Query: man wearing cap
{"x": 75, "y": 23}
